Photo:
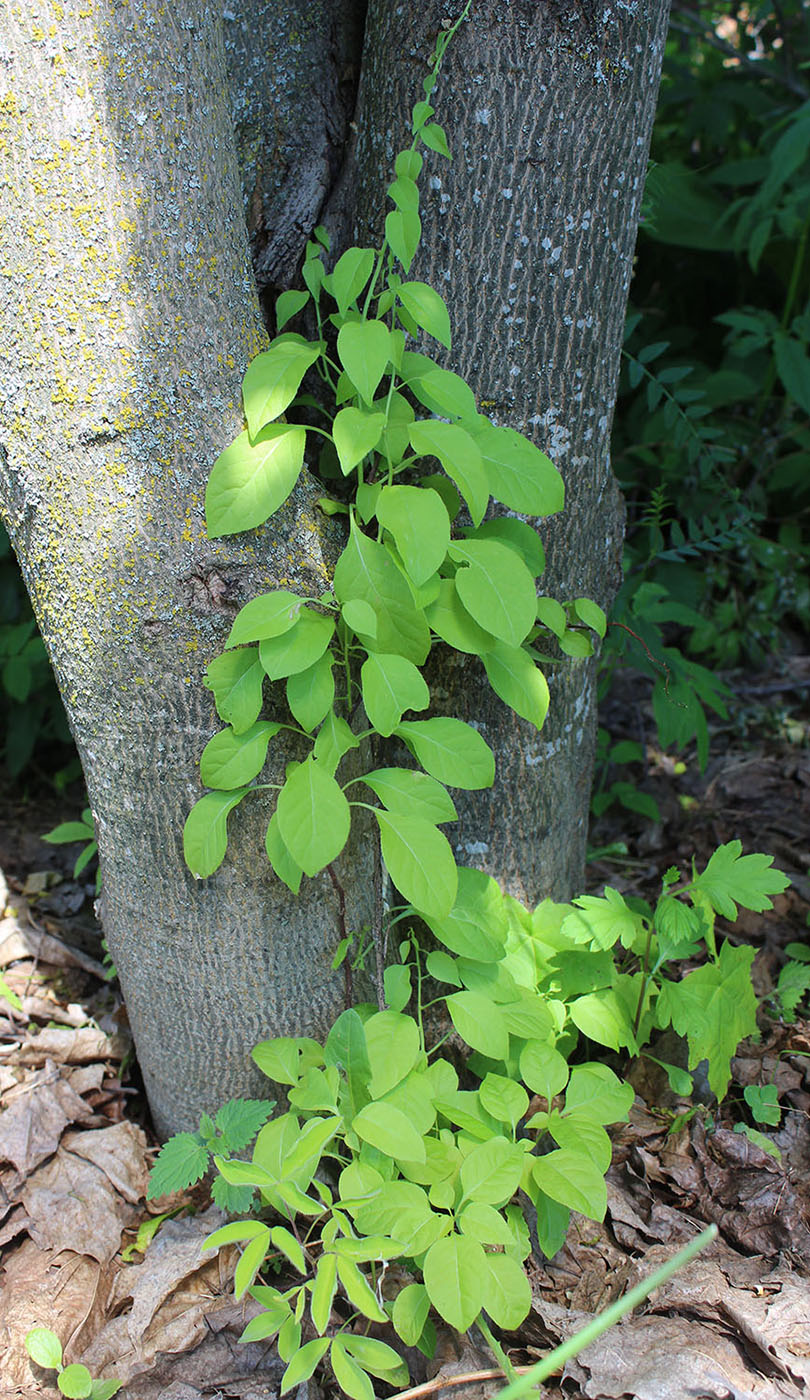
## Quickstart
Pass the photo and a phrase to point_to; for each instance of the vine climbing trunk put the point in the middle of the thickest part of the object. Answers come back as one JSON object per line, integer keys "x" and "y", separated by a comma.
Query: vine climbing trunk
{"x": 529, "y": 236}
{"x": 128, "y": 311}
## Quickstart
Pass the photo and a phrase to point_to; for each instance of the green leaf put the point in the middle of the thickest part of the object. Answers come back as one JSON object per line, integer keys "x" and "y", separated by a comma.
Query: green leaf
{"x": 323, "y": 1292}
{"x": 427, "y": 309}
{"x": 232, "y": 760}
{"x": 793, "y": 366}
{"x": 477, "y": 924}
{"x": 44, "y": 1347}
{"x": 591, "y": 614}
{"x": 239, "y": 1120}
{"x": 377, "y": 1357}
{"x": 552, "y": 1222}
{"x": 351, "y": 273}
{"x": 364, "y": 348}
{"x": 479, "y": 1022}
{"x": 365, "y": 570}
{"x": 763, "y": 1101}
{"x": 450, "y": 751}
{"x": 279, "y": 1059}
{"x": 552, "y": 615}
{"x": 249, "y": 481}
{"x": 492, "y": 1171}
{"x": 602, "y": 1017}
{"x": 579, "y": 1133}
{"x": 335, "y": 738}
{"x": 273, "y": 378}
{"x": 75, "y": 1381}
{"x": 598, "y": 1094}
{"x": 304, "y": 1362}
{"x": 391, "y": 684}
{"x": 298, "y": 649}
{"x": 460, "y": 457}
{"x": 287, "y": 870}
{"x": 434, "y": 137}
{"x": 238, "y": 1232}
{"x": 484, "y": 1224}
{"x": 519, "y": 683}
{"x": 496, "y": 588}
{"x": 250, "y": 1261}
{"x": 236, "y": 678}
{"x": 288, "y": 1245}
{"x": 419, "y": 860}
{"x": 269, "y": 615}
{"x": 503, "y": 1098}
{"x": 68, "y": 832}
{"x": 454, "y": 1271}
{"x": 397, "y": 986}
{"x": 205, "y": 834}
{"x": 311, "y": 693}
{"x": 440, "y": 390}
{"x": 517, "y": 473}
{"x": 412, "y": 793}
{"x": 360, "y": 617}
{"x": 387, "y": 1129}
{"x": 234, "y": 1200}
{"x": 403, "y": 230}
{"x": 507, "y": 1294}
{"x": 411, "y": 1307}
{"x": 104, "y": 1390}
{"x": 355, "y": 434}
{"x": 602, "y": 921}
{"x": 418, "y": 521}
{"x": 543, "y": 1069}
{"x": 450, "y": 620}
{"x": 313, "y": 816}
{"x": 715, "y": 1007}
{"x": 346, "y": 1048}
{"x": 748, "y": 880}
{"x": 573, "y": 1180}
{"x": 393, "y": 1049}
{"x": 352, "y": 1380}
{"x": 519, "y": 536}
{"x": 358, "y": 1291}
{"x": 288, "y": 305}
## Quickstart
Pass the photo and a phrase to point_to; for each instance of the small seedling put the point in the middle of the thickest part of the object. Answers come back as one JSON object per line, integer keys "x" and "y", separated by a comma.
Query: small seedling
{"x": 74, "y": 1381}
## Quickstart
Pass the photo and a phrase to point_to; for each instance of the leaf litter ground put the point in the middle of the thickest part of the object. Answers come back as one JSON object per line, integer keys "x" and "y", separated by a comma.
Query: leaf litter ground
{"x": 76, "y": 1147}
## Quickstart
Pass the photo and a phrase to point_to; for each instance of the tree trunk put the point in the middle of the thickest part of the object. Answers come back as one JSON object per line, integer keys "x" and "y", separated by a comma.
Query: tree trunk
{"x": 128, "y": 312}
{"x": 529, "y": 235}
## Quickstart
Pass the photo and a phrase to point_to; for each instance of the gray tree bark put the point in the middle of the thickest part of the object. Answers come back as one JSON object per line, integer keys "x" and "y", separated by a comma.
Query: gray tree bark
{"x": 128, "y": 311}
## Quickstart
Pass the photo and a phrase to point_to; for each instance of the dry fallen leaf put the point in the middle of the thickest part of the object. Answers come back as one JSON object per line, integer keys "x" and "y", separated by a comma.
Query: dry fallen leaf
{"x": 42, "y": 1288}
{"x": 39, "y": 1109}
{"x": 73, "y": 1205}
{"x": 69, "y": 1047}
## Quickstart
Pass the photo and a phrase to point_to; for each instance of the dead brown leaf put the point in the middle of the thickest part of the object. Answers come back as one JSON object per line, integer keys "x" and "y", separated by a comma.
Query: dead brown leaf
{"x": 41, "y": 1288}
{"x": 73, "y": 1205}
{"x": 70, "y": 1047}
{"x": 120, "y": 1152}
{"x": 39, "y": 1108}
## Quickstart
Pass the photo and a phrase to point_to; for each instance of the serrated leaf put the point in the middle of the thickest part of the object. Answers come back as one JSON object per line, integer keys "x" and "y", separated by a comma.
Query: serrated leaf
{"x": 454, "y": 1271}
{"x": 180, "y": 1163}
{"x": 715, "y": 1007}
{"x": 205, "y": 834}
{"x": 231, "y": 760}
{"x": 313, "y": 816}
{"x": 250, "y": 480}
{"x": 364, "y": 348}
{"x": 460, "y": 457}
{"x": 234, "y": 1200}
{"x": 239, "y": 1120}
{"x": 731, "y": 878}
{"x": 273, "y": 378}
{"x": 450, "y": 751}
{"x": 602, "y": 921}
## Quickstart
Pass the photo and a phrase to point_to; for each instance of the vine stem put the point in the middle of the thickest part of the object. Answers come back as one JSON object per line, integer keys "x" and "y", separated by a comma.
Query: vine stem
{"x": 496, "y": 1348}
{"x": 445, "y": 1382}
{"x": 377, "y": 929}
